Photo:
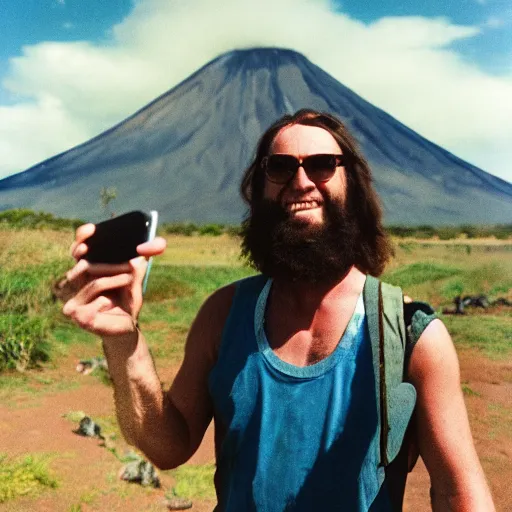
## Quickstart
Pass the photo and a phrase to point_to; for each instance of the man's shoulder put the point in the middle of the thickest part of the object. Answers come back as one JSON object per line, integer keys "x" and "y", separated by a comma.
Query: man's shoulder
{"x": 219, "y": 302}
{"x": 211, "y": 319}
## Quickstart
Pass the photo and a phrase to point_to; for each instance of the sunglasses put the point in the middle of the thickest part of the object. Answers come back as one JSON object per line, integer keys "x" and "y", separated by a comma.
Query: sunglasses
{"x": 280, "y": 168}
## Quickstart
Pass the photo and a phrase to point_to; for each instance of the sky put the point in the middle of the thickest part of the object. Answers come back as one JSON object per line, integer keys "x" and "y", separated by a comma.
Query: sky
{"x": 70, "y": 69}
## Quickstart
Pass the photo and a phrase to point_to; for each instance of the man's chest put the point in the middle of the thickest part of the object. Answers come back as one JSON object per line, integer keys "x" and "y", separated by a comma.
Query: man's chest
{"x": 305, "y": 339}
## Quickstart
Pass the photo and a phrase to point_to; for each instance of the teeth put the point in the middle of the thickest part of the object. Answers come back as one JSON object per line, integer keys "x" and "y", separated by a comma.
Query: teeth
{"x": 303, "y": 205}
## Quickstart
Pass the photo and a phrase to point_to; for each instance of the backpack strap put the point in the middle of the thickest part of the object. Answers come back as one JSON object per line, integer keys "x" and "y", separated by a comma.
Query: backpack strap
{"x": 395, "y": 398}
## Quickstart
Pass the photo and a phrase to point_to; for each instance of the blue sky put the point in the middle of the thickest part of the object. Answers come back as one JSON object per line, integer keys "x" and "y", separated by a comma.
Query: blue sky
{"x": 69, "y": 69}
{"x": 32, "y": 21}
{"x": 29, "y": 22}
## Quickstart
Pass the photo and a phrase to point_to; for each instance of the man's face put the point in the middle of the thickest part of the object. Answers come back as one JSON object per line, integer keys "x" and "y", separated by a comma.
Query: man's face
{"x": 301, "y": 198}
{"x": 300, "y": 230}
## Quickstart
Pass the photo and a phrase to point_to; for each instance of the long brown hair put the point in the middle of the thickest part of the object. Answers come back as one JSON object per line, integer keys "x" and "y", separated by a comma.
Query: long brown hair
{"x": 373, "y": 246}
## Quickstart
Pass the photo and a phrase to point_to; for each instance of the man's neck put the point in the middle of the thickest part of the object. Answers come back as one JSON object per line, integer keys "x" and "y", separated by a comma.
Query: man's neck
{"x": 306, "y": 296}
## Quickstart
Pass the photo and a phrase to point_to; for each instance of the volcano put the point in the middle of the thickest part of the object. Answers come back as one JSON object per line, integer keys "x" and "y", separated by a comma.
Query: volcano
{"x": 185, "y": 152}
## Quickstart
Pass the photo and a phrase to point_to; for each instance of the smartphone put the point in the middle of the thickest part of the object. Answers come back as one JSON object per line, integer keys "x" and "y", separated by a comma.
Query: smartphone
{"x": 116, "y": 240}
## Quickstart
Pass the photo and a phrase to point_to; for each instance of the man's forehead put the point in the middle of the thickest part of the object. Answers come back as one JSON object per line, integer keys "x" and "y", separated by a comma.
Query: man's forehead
{"x": 300, "y": 139}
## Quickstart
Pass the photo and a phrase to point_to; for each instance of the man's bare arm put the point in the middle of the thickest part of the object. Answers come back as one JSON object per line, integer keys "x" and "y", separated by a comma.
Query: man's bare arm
{"x": 444, "y": 436}
{"x": 106, "y": 299}
{"x": 140, "y": 406}
{"x": 168, "y": 426}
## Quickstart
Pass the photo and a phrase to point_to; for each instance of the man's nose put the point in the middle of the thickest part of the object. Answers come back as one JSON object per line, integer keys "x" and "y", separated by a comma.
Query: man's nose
{"x": 301, "y": 181}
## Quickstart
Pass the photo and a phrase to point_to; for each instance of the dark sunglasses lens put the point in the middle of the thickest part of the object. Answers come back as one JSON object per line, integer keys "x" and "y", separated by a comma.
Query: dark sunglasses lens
{"x": 320, "y": 167}
{"x": 281, "y": 167}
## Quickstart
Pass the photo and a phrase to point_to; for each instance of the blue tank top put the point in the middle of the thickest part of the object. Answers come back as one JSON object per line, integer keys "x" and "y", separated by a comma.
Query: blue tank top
{"x": 294, "y": 438}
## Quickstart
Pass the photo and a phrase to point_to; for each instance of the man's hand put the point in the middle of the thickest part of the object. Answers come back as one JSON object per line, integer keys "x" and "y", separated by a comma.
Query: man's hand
{"x": 105, "y": 299}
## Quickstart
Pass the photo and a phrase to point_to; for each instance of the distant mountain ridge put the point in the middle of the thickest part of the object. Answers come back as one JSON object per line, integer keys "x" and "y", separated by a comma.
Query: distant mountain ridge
{"x": 185, "y": 152}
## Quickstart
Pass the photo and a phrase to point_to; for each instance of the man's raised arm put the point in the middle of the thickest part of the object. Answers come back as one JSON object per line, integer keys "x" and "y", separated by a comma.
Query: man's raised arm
{"x": 168, "y": 426}
{"x": 106, "y": 299}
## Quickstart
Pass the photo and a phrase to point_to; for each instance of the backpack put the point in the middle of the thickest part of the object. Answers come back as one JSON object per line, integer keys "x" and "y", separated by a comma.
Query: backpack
{"x": 395, "y": 398}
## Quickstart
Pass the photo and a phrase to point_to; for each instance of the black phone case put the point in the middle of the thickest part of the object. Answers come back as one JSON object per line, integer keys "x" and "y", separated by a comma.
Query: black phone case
{"x": 115, "y": 240}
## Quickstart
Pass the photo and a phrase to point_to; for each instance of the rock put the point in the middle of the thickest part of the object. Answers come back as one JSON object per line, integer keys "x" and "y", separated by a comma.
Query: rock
{"x": 176, "y": 503}
{"x": 86, "y": 366}
{"x": 140, "y": 471}
{"x": 88, "y": 428}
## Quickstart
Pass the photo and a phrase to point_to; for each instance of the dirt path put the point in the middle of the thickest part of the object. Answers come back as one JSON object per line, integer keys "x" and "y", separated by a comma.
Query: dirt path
{"x": 34, "y": 423}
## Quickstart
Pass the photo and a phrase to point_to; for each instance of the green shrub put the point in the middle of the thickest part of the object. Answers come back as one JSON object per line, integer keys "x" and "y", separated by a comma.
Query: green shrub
{"x": 180, "y": 228}
{"x": 23, "y": 341}
{"x": 412, "y": 231}
{"x": 194, "y": 481}
{"x": 24, "y": 476}
{"x": 29, "y": 289}
{"x": 469, "y": 231}
{"x": 212, "y": 229}
{"x": 191, "y": 229}
{"x": 500, "y": 231}
{"x": 448, "y": 233}
{"x": 453, "y": 289}
{"x": 27, "y": 313}
{"x": 21, "y": 218}
{"x": 503, "y": 232}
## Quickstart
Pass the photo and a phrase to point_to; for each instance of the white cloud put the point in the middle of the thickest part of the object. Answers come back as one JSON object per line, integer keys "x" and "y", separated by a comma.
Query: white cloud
{"x": 495, "y": 22}
{"x": 33, "y": 131}
{"x": 403, "y": 65}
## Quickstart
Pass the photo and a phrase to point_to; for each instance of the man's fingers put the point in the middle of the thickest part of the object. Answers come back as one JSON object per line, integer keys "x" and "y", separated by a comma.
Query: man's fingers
{"x": 108, "y": 269}
{"x": 138, "y": 266}
{"x": 102, "y": 317}
{"x": 97, "y": 269}
{"x": 84, "y": 272}
{"x": 82, "y": 232}
{"x": 98, "y": 287}
{"x": 79, "y": 251}
{"x": 85, "y": 315}
{"x": 78, "y": 270}
{"x": 102, "y": 285}
{"x": 152, "y": 248}
{"x": 68, "y": 285}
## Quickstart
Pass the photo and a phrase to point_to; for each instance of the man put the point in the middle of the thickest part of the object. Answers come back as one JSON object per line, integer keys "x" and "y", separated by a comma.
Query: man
{"x": 282, "y": 361}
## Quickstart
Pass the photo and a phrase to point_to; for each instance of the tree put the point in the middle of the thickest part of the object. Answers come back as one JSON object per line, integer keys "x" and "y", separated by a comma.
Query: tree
{"x": 107, "y": 195}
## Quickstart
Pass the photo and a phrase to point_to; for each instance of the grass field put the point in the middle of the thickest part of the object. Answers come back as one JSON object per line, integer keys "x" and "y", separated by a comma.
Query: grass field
{"x": 42, "y": 381}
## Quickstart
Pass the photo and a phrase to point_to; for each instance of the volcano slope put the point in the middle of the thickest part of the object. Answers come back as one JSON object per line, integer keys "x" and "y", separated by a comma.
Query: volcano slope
{"x": 184, "y": 153}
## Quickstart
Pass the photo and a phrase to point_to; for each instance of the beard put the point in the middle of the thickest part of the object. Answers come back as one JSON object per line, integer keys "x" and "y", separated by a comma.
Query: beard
{"x": 285, "y": 248}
